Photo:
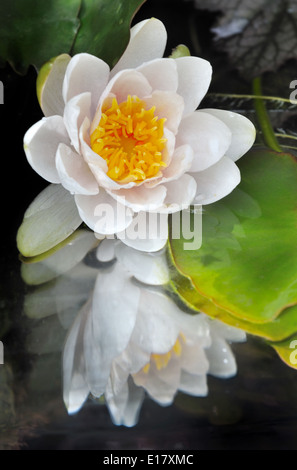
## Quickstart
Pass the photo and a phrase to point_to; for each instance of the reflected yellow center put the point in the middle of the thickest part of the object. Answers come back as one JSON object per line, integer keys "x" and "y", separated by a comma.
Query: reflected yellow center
{"x": 161, "y": 360}
{"x": 130, "y": 139}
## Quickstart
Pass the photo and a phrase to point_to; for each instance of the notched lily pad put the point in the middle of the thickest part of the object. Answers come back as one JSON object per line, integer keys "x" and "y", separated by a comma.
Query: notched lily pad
{"x": 247, "y": 264}
{"x": 287, "y": 350}
{"x": 31, "y": 32}
{"x": 105, "y": 26}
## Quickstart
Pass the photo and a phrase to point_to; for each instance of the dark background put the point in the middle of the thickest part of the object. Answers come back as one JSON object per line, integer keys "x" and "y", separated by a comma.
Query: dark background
{"x": 255, "y": 410}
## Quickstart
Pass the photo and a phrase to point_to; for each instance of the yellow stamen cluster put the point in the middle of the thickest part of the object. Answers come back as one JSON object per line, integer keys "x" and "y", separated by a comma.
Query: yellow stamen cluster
{"x": 161, "y": 360}
{"x": 130, "y": 139}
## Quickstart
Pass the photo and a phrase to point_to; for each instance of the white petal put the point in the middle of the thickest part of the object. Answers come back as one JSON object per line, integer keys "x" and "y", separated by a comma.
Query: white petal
{"x": 129, "y": 82}
{"x": 51, "y": 99}
{"x": 195, "y": 385}
{"x": 181, "y": 162}
{"x": 75, "y": 388}
{"x": 147, "y": 245}
{"x": 217, "y": 181}
{"x": 193, "y": 359}
{"x": 161, "y": 74}
{"x": 194, "y": 77}
{"x": 41, "y": 142}
{"x": 76, "y": 110}
{"x": 63, "y": 297}
{"x": 208, "y": 136}
{"x": 102, "y": 213}
{"x": 230, "y": 333}
{"x": 85, "y": 72}
{"x": 110, "y": 325}
{"x": 132, "y": 359}
{"x": 74, "y": 173}
{"x": 243, "y": 131}
{"x": 147, "y": 232}
{"x": 168, "y": 105}
{"x": 106, "y": 250}
{"x": 150, "y": 268}
{"x": 125, "y": 406}
{"x": 163, "y": 384}
{"x": 135, "y": 400}
{"x": 60, "y": 261}
{"x": 180, "y": 193}
{"x": 147, "y": 42}
{"x": 154, "y": 331}
{"x": 194, "y": 328}
{"x": 141, "y": 198}
{"x": 116, "y": 401}
{"x": 221, "y": 359}
{"x": 72, "y": 291}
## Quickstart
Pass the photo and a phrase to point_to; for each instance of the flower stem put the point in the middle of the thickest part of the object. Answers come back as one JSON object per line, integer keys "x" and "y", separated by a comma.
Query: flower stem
{"x": 263, "y": 117}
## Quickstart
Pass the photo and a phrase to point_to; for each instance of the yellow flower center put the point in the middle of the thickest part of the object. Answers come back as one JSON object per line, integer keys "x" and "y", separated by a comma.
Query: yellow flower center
{"x": 161, "y": 360}
{"x": 130, "y": 139}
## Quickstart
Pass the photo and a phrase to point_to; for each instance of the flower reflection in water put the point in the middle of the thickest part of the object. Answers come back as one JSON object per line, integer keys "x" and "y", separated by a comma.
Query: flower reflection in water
{"x": 126, "y": 337}
{"x": 130, "y": 337}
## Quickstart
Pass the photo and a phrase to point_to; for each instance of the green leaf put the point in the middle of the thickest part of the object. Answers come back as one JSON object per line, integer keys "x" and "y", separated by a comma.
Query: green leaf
{"x": 31, "y": 31}
{"x": 50, "y": 219}
{"x": 278, "y": 329}
{"x": 248, "y": 260}
{"x": 105, "y": 27}
{"x": 287, "y": 350}
{"x": 258, "y": 36}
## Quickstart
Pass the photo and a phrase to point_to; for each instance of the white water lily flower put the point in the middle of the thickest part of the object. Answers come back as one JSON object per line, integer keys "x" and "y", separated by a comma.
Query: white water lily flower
{"x": 129, "y": 140}
{"x": 129, "y": 339}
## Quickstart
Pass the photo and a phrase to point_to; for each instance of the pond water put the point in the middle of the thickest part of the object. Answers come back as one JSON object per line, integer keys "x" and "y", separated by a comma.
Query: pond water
{"x": 254, "y": 409}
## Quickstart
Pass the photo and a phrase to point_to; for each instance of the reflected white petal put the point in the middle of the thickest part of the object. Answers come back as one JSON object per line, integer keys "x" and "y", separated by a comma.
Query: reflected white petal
{"x": 110, "y": 325}
{"x": 150, "y": 268}
{"x": 154, "y": 331}
{"x": 221, "y": 360}
{"x": 75, "y": 388}
{"x": 195, "y": 385}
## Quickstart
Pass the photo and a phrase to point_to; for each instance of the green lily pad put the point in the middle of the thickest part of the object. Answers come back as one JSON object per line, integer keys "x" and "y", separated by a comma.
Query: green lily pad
{"x": 31, "y": 32}
{"x": 247, "y": 263}
{"x": 287, "y": 350}
{"x": 105, "y": 27}
{"x": 278, "y": 329}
